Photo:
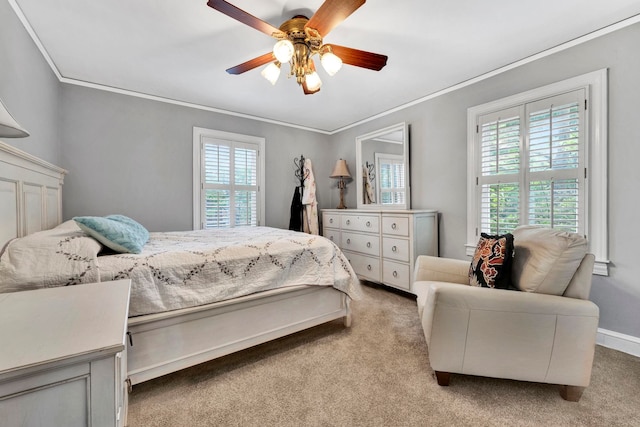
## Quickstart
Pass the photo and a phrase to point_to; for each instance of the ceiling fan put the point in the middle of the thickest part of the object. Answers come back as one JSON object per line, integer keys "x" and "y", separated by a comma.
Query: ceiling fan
{"x": 299, "y": 39}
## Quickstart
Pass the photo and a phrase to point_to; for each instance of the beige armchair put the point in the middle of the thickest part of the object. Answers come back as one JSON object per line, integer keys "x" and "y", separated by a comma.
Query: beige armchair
{"x": 520, "y": 335}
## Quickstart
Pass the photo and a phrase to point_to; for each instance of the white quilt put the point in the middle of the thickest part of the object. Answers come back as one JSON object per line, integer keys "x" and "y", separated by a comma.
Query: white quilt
{"x": 183, "y": 269}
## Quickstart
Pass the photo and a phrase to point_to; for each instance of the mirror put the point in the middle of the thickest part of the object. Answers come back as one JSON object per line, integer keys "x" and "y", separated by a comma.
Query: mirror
{"x": 382, "y": 168}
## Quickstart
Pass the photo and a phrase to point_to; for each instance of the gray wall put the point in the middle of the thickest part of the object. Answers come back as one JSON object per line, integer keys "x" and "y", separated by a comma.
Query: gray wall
{"x": 134, "y": 156}
{"x": 438, "y": 158}
{"x": 29, "y": 89}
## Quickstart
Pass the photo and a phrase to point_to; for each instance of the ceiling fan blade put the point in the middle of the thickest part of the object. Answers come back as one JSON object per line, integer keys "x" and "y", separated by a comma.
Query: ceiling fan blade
{"x": 331, "y": 13}
{"x": 359, "y": 58}
{"x": 244, "y": 17}
{"x": 252, "y": 63}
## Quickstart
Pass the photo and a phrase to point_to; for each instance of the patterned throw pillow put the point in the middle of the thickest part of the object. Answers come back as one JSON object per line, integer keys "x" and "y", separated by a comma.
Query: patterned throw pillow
{"x": 491, "y": 263}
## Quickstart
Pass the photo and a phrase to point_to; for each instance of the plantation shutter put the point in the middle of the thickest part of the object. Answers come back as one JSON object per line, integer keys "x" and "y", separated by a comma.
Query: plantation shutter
{"x": 499, "y": 180}
{"x": 392, "y": 178}
{"x": 531, "y": 165}
{"x": 246, "y": 184}
{"x": 230, "y": 184}
{"x": 555, "y": 150}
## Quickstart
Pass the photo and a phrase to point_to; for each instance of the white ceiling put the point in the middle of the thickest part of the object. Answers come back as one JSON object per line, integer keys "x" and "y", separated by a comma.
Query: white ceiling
{"x": 179, "y": 49}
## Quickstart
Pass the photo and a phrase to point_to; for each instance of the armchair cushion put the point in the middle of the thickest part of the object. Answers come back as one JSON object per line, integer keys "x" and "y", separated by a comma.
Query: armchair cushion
{"x": 491, "y": 262}
{"x": 545, "y": 259}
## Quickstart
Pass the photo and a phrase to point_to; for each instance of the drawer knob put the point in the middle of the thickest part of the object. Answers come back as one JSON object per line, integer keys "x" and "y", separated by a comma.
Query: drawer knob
{"x": 368, "y": 223}
{"x": 331, "y": 221}
{"x": 394, "y": 226}
{"x": 369, "y": 267}
{"x": 394, "y": 248}
{"x": 348, "y": 221}
{"x": 348, "y": 241}
{"x": 395, "y": 273}
{"x": 331, "y": 238}
{"x": 368, "y": 244}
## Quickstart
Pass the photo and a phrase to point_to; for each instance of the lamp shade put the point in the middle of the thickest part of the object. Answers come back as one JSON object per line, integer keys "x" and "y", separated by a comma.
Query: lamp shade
{"x": 9, "y": 128}
{"x": 283, "y": 51}
{"x": 341, "y": 170}
{"x": 313, "y": 81}
{"x": 331, "y": 63}
{"x": 271, "y": 72}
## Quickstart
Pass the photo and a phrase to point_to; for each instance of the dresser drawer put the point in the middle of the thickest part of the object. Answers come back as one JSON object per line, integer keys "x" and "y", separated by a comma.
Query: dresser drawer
{"x": 365, "y": 243}
{"x": 364, "y": 266}
{"x": 397, "y": 249}
{"x": 368, "y": 223}
{"x": 396, "y": 225}
{"x": 396, "y": 274}
{"x": 331, "y": 220}
{"x": 333, "y": 235}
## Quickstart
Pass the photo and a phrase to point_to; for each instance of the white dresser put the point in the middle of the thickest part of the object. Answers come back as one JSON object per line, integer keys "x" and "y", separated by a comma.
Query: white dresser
{"x": 63, "y": 356}
{"x": 382, "y": 245}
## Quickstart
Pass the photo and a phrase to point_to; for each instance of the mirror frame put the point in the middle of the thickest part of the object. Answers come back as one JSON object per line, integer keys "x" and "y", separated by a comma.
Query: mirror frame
{"x": 404, "y": 127}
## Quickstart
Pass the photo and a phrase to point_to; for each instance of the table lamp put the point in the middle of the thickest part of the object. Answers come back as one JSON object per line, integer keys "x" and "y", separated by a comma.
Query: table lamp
{"x": 341, "y": 171}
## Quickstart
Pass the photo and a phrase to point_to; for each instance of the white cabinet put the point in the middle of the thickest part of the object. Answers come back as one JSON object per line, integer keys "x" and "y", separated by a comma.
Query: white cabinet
{"x": 63, "y": 356}
{"x": 382, "y": 245}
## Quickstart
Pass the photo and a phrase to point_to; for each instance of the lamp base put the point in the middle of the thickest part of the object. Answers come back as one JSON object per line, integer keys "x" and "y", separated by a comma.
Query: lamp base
{"x": 342, "y": 205}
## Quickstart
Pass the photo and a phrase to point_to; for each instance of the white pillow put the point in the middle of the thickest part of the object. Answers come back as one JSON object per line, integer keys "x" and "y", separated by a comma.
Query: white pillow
{"x": 545, "y": 259}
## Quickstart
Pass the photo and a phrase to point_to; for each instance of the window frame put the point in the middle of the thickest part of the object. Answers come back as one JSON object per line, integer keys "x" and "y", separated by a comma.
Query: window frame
{"x": 596, "y": 127}
{"x": 198, "y": 170}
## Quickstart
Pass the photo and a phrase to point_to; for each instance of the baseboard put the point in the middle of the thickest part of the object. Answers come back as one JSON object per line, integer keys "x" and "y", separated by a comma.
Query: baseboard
{"x": 617, "y": 341}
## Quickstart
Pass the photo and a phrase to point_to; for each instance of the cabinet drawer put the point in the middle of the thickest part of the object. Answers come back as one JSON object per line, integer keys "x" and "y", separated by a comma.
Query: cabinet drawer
{"x": 330, "y": 220}
{"x": 333, "y": 235}
{"x": 396, "y": 274}
{"x": 367, "y": 223}
{"x": 365, "y": 243}
{"x": 364, "y": 266}
{"x": 397, "y": 249}
{"x": 397, "y": 225}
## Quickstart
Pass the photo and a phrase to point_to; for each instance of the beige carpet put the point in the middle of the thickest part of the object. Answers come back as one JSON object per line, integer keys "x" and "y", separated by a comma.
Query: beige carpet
{"x": 375, "y": 373}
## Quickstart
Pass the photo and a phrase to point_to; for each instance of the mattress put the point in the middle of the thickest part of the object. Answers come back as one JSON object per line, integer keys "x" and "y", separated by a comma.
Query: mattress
{"x": 180, "y": 269}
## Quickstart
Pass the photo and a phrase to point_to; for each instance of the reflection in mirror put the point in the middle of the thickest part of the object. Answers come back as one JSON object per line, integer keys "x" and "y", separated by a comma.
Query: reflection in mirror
{"x": 383, "y": 171}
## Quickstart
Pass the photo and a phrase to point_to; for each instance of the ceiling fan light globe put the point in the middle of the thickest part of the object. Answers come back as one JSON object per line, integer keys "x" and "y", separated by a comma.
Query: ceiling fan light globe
{"x": 331, "y": 63}
{"x": 313, "y": 81}
{"x": 283, "y": 51}
{"x": 271, "y": 72}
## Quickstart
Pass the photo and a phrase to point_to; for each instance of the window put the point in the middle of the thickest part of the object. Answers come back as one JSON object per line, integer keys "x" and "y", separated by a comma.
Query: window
{"x": 228, "y": 172}
{"x": 539, "y": 181}
{"x": 391, "y": 173}
{"x": 529, "y": 162}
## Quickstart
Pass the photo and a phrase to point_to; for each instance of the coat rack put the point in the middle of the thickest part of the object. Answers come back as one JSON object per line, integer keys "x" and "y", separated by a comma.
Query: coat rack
{"x": 368, "y": 195}
{"x": 297, "y": 208}
{"x": 371, "y": 170}
{"x": 300, "y": 172}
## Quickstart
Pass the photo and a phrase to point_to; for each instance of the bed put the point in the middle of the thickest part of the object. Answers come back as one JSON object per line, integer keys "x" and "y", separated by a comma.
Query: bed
{"x": 266, "y": 282}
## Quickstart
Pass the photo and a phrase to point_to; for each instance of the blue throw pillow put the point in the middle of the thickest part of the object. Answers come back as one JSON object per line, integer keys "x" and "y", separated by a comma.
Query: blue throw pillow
{"x": 117, "y": 232}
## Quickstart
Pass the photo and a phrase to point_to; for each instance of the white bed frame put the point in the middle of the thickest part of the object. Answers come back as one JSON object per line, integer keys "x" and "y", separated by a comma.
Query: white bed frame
{"x": 31, "y": 200}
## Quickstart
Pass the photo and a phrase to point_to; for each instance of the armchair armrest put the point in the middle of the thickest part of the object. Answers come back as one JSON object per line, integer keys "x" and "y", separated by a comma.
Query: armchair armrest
{"x": 477, "y": 298}
{"x": 435, "y": 269}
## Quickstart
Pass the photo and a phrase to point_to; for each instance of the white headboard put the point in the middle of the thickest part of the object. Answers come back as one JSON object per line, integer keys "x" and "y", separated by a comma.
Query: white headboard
{"x": 30, "y": 194}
